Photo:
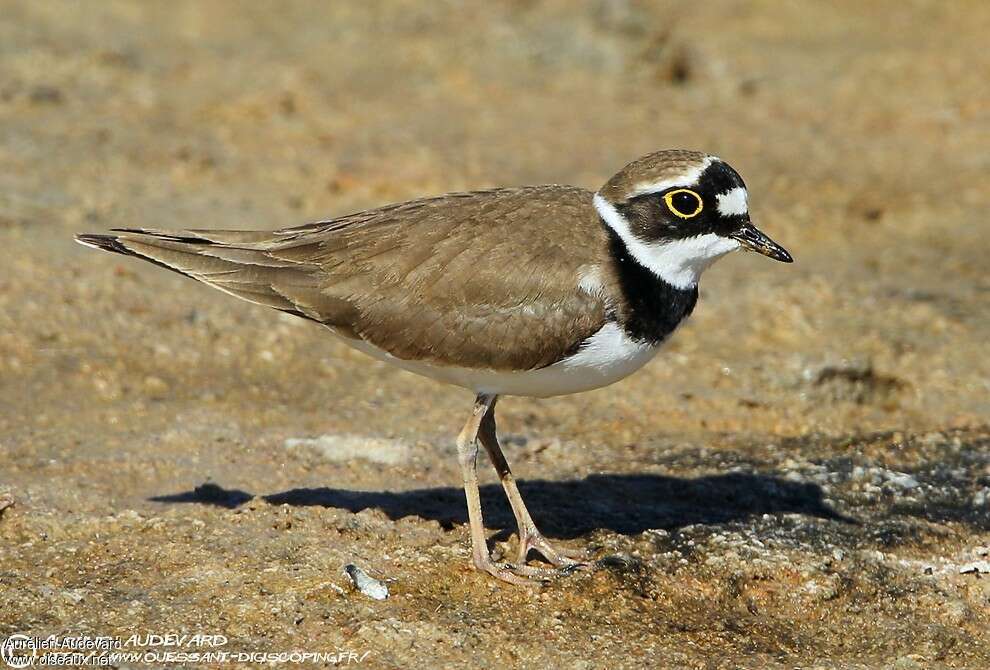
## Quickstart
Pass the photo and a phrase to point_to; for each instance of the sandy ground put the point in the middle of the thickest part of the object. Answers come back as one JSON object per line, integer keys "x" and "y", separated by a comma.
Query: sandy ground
{"x": 801, "y": 480}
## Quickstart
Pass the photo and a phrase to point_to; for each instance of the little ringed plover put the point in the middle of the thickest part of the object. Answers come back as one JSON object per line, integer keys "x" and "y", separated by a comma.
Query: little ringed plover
{"x": 533, "y": 291}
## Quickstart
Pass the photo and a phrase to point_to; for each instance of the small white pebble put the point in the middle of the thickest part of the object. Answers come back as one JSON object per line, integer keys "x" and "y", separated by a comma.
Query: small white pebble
{"x": 366, "y": 584}
{"x": 976, "y": 567}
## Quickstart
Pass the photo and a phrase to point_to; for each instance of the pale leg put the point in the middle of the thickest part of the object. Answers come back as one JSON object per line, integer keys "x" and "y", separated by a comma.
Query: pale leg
{"x": 467, "y": 455}
{"x": 530, "y": 537}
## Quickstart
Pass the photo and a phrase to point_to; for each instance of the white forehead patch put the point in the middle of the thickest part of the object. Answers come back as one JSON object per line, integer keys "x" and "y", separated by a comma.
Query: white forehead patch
{"x": 688, "y": 178}
{"x": 734, "y": 202}
{"x": 678, "y": 262}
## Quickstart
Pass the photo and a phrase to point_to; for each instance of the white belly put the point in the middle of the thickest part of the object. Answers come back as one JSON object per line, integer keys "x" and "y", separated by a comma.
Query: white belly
{"x": 605, "y": 358}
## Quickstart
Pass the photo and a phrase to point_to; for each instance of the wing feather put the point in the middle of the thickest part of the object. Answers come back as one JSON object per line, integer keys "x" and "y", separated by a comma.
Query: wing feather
{"x": 486, "y": 279}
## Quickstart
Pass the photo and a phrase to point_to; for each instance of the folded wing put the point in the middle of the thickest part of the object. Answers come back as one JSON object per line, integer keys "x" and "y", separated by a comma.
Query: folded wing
{"x": 472, "y": 279}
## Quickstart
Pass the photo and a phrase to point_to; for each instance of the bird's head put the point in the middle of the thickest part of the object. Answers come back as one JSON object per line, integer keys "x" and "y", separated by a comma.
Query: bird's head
{"x": 677, "y": 212}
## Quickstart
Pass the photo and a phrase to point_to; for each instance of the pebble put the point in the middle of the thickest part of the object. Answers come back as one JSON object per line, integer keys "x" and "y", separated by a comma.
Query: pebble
{"x": 365, "y": 583}
{"x": 349, "y": 447}
{"x": 901, "y": 480}
{"x": 976, "y": 567}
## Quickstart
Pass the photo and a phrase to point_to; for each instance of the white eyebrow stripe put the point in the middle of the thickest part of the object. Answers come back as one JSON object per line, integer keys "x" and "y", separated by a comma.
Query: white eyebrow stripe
{"x": 734, "y": 202}
{"x": 689, "y": 178}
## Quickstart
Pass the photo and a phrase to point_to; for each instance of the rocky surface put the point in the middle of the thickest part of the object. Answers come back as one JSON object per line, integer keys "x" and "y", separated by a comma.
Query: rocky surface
{"x": 801, "y": 480}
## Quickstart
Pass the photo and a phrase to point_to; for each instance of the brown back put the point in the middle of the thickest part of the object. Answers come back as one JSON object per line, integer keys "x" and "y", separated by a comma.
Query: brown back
{"x": 484, "y": 279}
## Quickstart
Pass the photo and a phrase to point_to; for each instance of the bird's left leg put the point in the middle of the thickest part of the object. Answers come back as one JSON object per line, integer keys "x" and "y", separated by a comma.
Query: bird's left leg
{"x": 467, "y": 455}
{"x": 530, "y": 537}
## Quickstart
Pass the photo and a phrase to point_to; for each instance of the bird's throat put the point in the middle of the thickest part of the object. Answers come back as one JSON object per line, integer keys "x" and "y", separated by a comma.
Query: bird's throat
{"x": 651, "y": 308}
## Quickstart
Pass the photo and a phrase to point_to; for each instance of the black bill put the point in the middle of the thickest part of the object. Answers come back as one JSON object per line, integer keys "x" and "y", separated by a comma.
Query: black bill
{"x": 753, "y": 239}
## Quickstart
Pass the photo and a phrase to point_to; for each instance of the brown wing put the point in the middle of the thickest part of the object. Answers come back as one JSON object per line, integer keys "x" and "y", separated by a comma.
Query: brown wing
{"x": 486, "y": 278}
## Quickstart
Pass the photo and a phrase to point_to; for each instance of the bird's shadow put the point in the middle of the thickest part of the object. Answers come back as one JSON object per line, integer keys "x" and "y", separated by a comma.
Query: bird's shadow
{"x": 623, "y": 503}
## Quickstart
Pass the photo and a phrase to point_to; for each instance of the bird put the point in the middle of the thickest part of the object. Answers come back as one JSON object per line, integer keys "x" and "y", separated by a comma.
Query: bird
{"x": 532, "y": 291}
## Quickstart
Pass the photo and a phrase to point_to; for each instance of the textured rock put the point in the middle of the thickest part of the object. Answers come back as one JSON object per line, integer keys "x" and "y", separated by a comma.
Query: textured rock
{"x": 346, "y": 448}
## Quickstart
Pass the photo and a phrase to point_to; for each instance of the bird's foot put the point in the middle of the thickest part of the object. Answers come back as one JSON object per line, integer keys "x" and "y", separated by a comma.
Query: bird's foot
{"x": 567, "y": 560}
{"x": 522, "y": 574}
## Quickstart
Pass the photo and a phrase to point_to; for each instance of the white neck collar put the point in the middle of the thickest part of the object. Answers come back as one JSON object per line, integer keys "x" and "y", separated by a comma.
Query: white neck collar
{"x": 678, "y": 262}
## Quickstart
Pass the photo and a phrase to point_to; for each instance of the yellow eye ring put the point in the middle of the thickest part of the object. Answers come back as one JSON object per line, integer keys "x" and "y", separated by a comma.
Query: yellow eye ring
{"x": 683, "y": 206}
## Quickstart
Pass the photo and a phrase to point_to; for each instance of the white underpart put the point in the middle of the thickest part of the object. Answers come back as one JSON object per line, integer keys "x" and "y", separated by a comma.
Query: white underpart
{"x": 733, "y": 203}
{"x": 606, "y": 357}
{"x": 687, "y": 178}
{"x": 678, "y": 262}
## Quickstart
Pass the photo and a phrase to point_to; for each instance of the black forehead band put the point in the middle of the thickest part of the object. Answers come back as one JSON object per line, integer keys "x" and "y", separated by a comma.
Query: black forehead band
{"x": 720, "y": 178}
{"x": 717, "y": 178}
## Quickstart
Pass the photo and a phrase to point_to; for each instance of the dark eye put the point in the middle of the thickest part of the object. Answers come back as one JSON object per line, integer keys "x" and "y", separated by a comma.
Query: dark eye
{"x": 684, "y": 203}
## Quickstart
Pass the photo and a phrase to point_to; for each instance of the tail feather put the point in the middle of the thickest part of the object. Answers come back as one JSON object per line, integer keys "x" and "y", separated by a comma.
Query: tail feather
{"x": 114, "y": 244}
{"x": 105, "y": 242}
{"x": 236, "y": 262}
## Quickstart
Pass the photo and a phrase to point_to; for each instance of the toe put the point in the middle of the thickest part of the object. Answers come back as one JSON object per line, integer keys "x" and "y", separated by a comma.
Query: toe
{"x": 508, "y": 574}
{"x": 565, "y": 558}
{"x": 505, "y": 572}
